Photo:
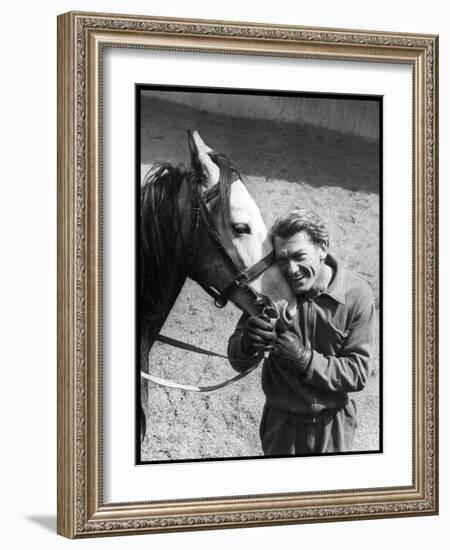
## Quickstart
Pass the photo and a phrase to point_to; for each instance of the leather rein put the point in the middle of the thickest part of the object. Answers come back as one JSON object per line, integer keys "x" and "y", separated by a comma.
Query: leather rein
{"x": 242, "y": 279}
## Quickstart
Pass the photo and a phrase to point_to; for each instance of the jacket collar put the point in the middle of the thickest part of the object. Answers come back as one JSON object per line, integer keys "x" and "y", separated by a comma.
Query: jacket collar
{"x": 336, "y": 289}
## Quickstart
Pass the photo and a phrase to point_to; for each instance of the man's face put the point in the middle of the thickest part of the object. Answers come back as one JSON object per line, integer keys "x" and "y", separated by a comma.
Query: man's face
{"x": 300, "y": 260}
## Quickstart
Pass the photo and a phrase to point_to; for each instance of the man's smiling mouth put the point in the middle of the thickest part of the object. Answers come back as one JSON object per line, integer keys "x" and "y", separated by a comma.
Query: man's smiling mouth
{"x": 298, "y": 278}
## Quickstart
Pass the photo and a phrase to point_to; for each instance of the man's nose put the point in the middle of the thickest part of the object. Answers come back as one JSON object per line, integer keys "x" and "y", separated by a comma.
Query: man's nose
{"x": 292, "y": 267}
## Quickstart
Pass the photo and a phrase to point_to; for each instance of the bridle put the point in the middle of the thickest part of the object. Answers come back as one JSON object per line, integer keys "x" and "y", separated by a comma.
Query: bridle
{"x": 201, "y": 214}
{"x": 243, "y": 276}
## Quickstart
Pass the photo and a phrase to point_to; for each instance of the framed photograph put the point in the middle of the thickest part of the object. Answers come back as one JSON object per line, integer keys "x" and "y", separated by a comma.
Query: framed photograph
{"x": 296, "y": 164}
{"x": 247, "y": 283}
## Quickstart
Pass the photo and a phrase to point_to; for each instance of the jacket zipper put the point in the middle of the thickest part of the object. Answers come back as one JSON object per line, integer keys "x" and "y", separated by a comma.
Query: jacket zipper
{"x": 309, "y": 325}
{"x": 310, "y": 337}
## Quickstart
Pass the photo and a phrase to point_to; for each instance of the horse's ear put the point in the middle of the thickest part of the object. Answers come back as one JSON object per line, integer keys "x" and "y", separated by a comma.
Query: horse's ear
{"x": 207, "y": 171}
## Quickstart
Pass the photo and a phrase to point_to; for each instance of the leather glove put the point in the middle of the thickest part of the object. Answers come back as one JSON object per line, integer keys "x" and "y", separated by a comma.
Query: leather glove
{"x": 290, "y": 352}
{"x": 258, "y": 334}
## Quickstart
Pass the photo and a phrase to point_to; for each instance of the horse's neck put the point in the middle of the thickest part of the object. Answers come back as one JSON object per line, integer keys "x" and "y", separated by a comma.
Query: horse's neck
{"x": 150, "y": 327}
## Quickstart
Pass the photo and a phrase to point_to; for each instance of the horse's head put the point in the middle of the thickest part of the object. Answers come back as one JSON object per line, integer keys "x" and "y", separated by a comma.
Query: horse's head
{"x": 230, "y": 252}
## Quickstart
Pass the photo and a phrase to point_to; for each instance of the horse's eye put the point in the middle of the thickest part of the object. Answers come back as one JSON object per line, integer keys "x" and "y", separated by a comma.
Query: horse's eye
{"x": 241, "y": 228}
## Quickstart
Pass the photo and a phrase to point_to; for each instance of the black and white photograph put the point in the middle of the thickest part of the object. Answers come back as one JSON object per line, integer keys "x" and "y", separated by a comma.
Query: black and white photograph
{"x": 247, "y": 274}
{"x": 222, "y": 298}
{"x": 258, "y": 274}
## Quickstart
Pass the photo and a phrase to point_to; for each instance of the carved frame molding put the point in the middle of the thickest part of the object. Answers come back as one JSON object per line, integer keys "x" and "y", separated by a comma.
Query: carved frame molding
{"x": 81, "y": 37}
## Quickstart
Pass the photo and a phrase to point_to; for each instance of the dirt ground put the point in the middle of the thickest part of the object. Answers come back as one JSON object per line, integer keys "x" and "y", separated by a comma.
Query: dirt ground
{"x": 282, "y": 165}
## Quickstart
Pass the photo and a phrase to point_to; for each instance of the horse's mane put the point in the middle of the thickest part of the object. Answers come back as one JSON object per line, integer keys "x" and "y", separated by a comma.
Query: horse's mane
{"x": 159, "y": 230}
{"x": 160, "y": 227}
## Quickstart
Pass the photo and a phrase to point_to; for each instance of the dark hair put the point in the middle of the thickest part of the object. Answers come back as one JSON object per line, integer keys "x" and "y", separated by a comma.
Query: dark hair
{"x": 159, "y": 231}
{"x": 160, "y": 226}
{"x": 301, "y": 219}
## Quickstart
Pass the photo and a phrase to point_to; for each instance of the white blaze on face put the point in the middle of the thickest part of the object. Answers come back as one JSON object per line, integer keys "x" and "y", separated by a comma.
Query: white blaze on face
{"x": 248, "y": 231}
{"x": 252, "y": 242}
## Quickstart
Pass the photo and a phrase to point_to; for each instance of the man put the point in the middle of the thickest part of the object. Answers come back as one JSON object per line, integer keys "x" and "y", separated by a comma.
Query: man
{"x": 325, "y": 355}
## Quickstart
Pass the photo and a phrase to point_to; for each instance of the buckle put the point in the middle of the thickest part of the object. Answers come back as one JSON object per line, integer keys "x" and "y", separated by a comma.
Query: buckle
{"x": 220, "y": 302}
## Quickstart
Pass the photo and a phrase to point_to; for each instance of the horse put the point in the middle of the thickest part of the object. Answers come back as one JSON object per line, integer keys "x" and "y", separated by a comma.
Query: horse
{"x": 201, "y": 222}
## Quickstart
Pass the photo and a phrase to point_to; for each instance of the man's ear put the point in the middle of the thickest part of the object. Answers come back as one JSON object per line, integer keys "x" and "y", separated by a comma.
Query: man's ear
{"x": 323, "y": 251}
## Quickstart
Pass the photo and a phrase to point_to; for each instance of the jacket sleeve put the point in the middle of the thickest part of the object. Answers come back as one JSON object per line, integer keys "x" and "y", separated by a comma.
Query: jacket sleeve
{"x": 350, "y": 370}
{"x": 239, "y": 360}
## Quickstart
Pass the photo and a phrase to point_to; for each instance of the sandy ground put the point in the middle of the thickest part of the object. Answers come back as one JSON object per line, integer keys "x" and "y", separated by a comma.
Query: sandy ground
{"x": 282, "y": 165}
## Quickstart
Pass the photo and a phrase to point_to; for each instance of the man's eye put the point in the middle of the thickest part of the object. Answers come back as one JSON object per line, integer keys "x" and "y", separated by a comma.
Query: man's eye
{"x": 241, "y": 228}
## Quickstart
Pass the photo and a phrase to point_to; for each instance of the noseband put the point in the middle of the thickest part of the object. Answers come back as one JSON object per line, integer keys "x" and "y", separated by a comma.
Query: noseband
{"x": 243, "y": 276}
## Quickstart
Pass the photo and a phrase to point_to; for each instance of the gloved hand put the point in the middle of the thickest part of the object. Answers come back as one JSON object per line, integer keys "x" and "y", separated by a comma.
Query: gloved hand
{"x": 258, "y": 334}
{"x": 289, "y": 351}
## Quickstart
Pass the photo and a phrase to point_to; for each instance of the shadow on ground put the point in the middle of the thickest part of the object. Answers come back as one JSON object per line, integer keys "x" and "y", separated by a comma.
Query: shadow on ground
{"x": 274, "y": 150}
{"x": 46, "y": 522}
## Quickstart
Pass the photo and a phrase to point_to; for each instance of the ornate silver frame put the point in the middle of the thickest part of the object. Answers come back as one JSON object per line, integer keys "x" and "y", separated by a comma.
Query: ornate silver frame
{"x": 81, "y": 511}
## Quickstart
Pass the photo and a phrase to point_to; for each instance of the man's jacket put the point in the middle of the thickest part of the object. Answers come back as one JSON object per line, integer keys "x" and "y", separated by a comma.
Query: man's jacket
{"x": 338, "y": 326}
